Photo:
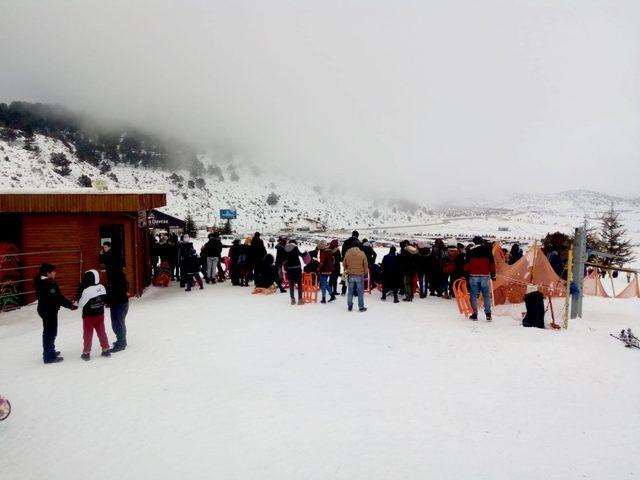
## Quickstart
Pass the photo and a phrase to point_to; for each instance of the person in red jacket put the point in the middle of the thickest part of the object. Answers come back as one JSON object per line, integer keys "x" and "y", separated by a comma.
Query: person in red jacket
{"x": 480, "y": 267}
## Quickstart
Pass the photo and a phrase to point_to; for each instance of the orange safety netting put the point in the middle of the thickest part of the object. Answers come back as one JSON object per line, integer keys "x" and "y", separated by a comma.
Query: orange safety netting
{"x": 593, "y": 286}
{"x": 632, "y": 290}
{"x": 532, "y": 269}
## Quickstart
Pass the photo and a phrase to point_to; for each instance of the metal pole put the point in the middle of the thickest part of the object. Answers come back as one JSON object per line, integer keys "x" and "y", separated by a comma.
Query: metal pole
{"x": 579, "y": 252}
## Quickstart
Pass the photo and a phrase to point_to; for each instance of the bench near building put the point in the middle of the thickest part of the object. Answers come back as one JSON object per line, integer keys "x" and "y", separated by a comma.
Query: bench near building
{"x": 67, "y": 228}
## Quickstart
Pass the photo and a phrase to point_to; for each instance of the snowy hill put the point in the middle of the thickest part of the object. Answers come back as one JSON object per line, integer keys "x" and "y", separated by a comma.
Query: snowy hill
{"x": 230, "y": 183}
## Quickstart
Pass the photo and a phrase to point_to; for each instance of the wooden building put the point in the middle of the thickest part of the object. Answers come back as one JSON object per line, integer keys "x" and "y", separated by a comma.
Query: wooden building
{"x": 67, "y": 228}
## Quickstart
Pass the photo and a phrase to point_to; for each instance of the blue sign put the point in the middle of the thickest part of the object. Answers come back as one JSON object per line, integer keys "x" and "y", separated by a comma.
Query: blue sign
{"x": 228, "y": 214}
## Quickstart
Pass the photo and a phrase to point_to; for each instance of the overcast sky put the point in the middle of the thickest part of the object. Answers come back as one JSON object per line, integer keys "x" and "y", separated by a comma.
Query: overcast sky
{"x": 429, "y": 97}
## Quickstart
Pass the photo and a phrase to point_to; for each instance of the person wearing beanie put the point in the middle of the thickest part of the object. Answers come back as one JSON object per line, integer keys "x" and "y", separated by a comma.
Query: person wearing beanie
{"x": 50, "y": 299}
{"x": 91, "y": 298}
{"x": 481, "y": 268}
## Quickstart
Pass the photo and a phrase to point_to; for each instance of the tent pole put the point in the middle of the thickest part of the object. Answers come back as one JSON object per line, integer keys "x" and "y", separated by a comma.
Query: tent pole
{"x": 613, "y": 288}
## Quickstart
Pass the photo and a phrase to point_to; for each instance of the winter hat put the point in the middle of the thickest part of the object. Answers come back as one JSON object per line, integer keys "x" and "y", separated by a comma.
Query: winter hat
{"x": 256, "y": 235}
{"x": 334, "y": 243}
{"x": 478, "y": 240}
{"x": 216, "y": 235}
{"x": 355, "y": 234}
{"x": 392, "y": 249}
{"x": 460, "y": 245}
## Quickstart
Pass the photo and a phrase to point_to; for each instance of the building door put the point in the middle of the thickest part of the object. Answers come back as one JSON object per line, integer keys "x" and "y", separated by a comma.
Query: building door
{"x": 115, "y": 235}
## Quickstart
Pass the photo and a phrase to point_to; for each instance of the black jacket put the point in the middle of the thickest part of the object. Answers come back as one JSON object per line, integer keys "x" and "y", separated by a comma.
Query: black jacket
{"x": 184, "y": 251}
{"x": 258, "y": 250}
{"x": 391, "y": 271}
{"x": 370, "y": 253}
{"x": 213, "y": 248}
{"x": 266, "y": 273}
{"x": 280, "y": 255}
{"x": 50, "y": 299}
{"x": 292, "y": 256}
{"x": 348, "y": 243}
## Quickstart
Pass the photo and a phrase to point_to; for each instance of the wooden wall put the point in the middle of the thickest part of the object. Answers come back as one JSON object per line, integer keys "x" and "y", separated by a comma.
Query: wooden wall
{"x": 59, "y": 232}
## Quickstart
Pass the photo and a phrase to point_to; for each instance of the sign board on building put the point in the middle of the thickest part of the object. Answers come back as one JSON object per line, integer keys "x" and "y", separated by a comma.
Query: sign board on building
{"x": 142, "y": 218}
{"x": 228, "y": 214}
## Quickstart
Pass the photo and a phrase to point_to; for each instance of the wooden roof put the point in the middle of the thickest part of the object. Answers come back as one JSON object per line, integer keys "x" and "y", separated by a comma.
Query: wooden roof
{"x": 79, "y": 201}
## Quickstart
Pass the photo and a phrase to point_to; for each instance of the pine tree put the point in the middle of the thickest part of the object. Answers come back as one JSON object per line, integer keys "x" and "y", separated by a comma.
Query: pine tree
{"x": 227, "y": 228}
{"x": 593, "y": 239}
{"x": 613, "y": 238}
{"x": 190, "y": 227}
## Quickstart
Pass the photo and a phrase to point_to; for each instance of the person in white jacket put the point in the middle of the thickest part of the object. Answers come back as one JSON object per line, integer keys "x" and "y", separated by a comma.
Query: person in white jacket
{"x": 91, "y": 295}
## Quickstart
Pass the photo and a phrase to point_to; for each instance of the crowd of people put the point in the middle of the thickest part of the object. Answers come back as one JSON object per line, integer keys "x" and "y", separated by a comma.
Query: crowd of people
{"x": 407, "y": 271}
{"x": 410, "y": 270}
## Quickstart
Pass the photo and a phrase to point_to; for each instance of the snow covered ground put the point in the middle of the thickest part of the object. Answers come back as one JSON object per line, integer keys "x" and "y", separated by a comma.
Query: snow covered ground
{"x": 221, "y": 384}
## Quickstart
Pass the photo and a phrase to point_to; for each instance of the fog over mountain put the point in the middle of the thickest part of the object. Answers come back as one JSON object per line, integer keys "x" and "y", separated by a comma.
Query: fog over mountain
{"x": 425, "y": 98}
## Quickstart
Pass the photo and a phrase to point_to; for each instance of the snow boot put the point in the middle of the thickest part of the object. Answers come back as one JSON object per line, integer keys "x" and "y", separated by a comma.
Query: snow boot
{"x": 53, "y": 360}
{"x": 293, "y": 301}
{"x": 473, "y": 316}
{"x": 383, "y": 298}
{"x": 117, "y": 347}
{"x": 488, "y": 317}
{"x": 350, "y": 308}
{"x": 323, "y": 300}
{"x": 301, "y": 301}
{"x": 85, "y": 356}
{"x": 188, "y": 289}
{"x": 395, "y": 300}
{"x": 333, "y": 297}
{"x": 283, "y": 290}
{"x": 363, "y": 309}
{"x": 201, "y": 287}
{"x": 106, "y": 353}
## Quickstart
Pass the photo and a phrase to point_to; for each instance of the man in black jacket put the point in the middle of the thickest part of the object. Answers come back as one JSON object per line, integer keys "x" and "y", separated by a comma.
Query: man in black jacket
{"x": 50, "y": 299}
{"x": 213, "y": 253}
{"x": 350, "y": 242}
{"x": 117, "y": 295}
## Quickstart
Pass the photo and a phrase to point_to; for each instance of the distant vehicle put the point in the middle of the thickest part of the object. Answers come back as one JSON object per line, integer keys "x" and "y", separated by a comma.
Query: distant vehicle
{"x": 227, "y": 238}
